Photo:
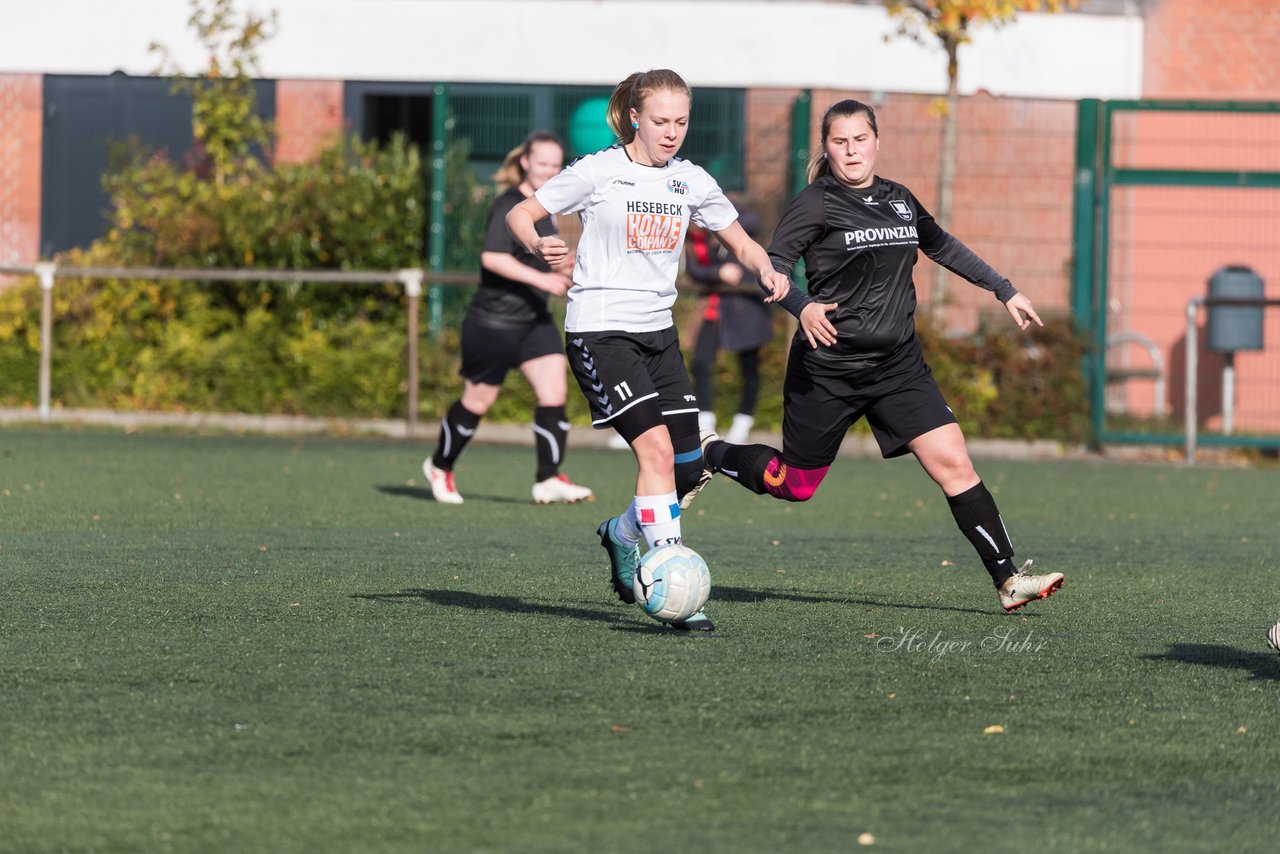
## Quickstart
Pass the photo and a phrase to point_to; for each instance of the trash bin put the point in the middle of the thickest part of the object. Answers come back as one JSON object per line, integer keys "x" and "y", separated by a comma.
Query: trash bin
{"x": 1232, "y": 328}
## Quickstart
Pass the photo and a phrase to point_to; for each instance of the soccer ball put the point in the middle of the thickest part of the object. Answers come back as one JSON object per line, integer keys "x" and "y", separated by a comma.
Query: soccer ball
{"x": 1273, "y": 637}
{"x": 672, "y": 583}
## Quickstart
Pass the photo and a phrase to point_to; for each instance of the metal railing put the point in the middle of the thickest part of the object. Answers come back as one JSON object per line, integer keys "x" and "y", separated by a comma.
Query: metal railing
{"x": 1193, "y": 366}
{"x": 412, "y": 279}
{"x": 1155, "y": 372}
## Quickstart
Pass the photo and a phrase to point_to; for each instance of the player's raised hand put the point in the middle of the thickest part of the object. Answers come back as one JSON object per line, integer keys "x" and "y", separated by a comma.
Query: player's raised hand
{"x": 552, "y": 250}
{"x": 1022, "y": 312}
{"x": 775, "y": 284}
{"x": 817, "y": 327}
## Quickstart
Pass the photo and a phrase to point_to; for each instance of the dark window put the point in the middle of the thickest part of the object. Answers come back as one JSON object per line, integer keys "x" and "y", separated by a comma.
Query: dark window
{"x": 84, "y": 119}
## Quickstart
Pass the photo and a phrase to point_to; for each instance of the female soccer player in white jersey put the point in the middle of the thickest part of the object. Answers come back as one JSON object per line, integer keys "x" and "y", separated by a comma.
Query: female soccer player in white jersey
{"x": 635, "y": 200}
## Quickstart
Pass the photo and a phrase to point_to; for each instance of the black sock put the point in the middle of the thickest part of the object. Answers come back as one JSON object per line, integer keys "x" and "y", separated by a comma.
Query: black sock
{"x": 683, "y": 428}
{"x": 979, "y": 519}
{"x": 456, "y": 429}
{"x": 744, "y": 463}
{"x": 550, "y": 434}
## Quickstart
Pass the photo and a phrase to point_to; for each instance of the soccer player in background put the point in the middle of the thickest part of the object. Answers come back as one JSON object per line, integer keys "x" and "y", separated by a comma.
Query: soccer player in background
{"x": 857, "y": 353}
{"x": 507, "y": 325}
{"x": 635, "y": 200}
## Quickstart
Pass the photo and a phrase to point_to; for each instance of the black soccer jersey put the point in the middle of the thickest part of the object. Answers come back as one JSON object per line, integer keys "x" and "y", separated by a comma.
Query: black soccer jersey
{"x": 859, "y": 248}
{"x": 501, "y": 301}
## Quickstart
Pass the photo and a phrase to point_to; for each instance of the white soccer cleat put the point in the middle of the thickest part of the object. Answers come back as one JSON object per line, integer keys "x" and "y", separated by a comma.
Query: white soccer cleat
{"x": 1023, "y": 587}
{"x": 740, "y": 429}
{"x": 560, "y": 490}
{"x": 441, "y": 483}
{"x": 1273, "y": 637}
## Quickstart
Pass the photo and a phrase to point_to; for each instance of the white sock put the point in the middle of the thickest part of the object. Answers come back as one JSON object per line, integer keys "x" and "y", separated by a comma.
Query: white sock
{"x": 706, "y": 420}
{"x": 659, "y": 518}
{"x": 737, "y": 434}
{"x": 628, "y": 529}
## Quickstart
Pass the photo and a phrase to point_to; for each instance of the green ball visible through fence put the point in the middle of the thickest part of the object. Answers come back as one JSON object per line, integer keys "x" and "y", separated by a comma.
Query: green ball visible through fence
{"x": 588, "y": 128}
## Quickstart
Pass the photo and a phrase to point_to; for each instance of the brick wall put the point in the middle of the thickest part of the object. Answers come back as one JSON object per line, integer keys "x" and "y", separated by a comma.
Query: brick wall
{"x": 308, "y": 115}
{"x": 1165, "y": 242}
{"x": 21, "y": 126}
{"x": 1218, "y": 49}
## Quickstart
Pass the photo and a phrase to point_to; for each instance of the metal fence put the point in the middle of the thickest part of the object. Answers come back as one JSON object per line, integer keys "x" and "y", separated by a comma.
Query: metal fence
{"x": 1168, "y": 195}
{"x": 411, "y": 279}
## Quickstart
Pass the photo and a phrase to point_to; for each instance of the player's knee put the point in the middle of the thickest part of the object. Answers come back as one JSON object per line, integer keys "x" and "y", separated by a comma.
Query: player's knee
{"x": 791, "y": 483}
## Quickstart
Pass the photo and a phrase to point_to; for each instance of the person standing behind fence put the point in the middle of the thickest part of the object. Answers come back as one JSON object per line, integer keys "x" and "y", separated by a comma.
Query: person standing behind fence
{"x": 635, "y": 200}
{"x": 857, "y": 352}
{"x": 507, "y": 325}
{"x": 732, "y": 316}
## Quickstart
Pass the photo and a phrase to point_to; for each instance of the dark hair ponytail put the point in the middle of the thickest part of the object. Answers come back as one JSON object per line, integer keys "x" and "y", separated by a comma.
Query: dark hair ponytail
{"x": 847, "y": 108}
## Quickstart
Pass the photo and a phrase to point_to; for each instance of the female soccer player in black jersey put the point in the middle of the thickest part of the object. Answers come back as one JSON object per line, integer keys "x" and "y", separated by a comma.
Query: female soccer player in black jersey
{"x": 857, "y": 352}
{"x": 507, "y": 326}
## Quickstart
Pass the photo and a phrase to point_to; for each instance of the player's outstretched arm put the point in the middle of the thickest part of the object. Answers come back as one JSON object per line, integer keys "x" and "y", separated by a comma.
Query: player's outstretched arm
{"x": 754, "y": 257}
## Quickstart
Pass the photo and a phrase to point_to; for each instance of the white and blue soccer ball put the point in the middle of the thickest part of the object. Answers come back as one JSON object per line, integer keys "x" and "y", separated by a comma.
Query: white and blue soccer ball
{"x": 672, "y": 583}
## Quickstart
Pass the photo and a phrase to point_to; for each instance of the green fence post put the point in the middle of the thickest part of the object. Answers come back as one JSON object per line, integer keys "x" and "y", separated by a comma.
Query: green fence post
{"x": 1084, "y": 216}
{"x": 798, "y": 168}
{"x": 1101, "y": 254}
{"x": 1084, "y": 236}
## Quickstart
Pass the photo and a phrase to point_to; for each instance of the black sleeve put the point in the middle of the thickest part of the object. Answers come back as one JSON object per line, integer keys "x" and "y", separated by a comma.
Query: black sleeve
{"x": 944, "y": 249}
{"x": 496, "y": 236}
{"x": 705, "y": 274}
{"x": 801, "y": 225}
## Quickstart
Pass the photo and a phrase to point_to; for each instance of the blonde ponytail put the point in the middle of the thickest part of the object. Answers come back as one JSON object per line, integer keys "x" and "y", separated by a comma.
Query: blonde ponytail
{"x": 633, "y": 92}
{"x": 511, "y": 173}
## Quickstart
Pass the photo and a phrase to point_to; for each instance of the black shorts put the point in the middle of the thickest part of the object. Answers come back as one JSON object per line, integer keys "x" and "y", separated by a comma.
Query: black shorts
{"x": 632, "y": 380}
{"x": 488, "y": 352}
{"x": 901, "y": 404}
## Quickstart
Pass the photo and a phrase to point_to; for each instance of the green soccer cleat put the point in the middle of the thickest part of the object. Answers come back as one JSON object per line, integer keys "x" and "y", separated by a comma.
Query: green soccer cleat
{"x": 699, "y": 622}
{"x": 624, "y": 560}
{"x": 1022, "y": 587}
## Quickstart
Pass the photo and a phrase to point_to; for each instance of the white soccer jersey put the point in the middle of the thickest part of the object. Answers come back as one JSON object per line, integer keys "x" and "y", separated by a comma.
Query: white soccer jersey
{"x": 634, "y": 220}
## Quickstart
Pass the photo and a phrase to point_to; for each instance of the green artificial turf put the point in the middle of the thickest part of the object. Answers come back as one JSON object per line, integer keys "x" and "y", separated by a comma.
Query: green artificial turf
{"x": 280, "y": 645}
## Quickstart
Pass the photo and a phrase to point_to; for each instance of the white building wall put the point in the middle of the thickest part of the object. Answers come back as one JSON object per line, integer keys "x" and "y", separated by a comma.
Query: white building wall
{"x": 710, "y": 42}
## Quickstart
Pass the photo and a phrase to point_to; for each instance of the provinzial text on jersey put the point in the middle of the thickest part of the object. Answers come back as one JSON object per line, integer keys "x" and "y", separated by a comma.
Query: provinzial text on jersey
{"x": 880, "y": 235}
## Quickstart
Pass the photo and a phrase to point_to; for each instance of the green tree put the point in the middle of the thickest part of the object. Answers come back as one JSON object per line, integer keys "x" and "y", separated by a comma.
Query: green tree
{"x": 951, "y": 23}
{"x": 224, "y": 110}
